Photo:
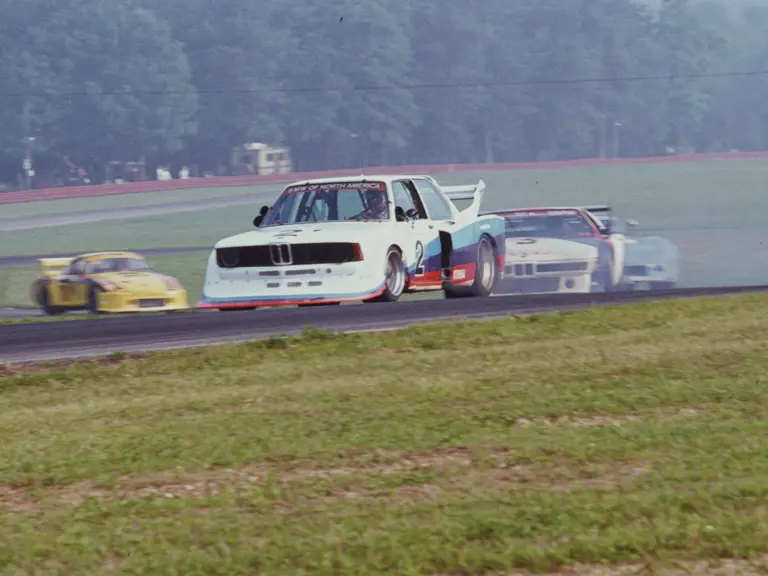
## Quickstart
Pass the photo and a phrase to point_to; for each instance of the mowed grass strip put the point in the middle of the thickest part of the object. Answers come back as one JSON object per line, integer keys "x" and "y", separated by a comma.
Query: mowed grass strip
{"x": 611, "y": 435}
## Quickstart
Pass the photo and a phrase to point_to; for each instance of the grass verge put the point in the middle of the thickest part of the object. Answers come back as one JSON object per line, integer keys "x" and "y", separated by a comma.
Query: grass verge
{"x": 158, "y": 197}
{"x": 606, "y": 436}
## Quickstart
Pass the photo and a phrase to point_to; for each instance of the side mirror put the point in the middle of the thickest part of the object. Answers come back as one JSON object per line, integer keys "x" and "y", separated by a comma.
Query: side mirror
{"x": 399, "y": 214}
{"x": 412, "y": 213}
{"x": 260, "y": 217}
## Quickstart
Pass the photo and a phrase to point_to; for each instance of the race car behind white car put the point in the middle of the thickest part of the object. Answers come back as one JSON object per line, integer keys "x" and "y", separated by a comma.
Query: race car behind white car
{"x": 651, "y": 262}
{"x": 365, "y": 238}
{"x": 572, "y": 249}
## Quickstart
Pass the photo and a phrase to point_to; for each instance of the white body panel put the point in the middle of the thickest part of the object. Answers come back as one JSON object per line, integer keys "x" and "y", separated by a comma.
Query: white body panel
{"x": 548, "y": 265}
{"x": 317, "y": 280}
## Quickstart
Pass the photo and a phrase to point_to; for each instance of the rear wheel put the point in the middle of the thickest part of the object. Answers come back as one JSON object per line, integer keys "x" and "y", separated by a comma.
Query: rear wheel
{"x": 486, "y": 274}
{"x": 45, "y": 304}
{"x": 394, "y": 277}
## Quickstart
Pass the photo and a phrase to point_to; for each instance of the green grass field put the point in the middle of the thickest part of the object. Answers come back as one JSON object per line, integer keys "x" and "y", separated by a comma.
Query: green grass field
{"x": 48, "y": 207}
{"x": 633, "y": 434}
{"x": 713, "y": 210}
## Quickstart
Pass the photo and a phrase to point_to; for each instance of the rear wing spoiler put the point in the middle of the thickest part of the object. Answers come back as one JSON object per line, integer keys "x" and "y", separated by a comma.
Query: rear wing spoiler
{"x": 53, "y": 265}
{"x": 473, "y": 192}
{"x": 598, "y": 208}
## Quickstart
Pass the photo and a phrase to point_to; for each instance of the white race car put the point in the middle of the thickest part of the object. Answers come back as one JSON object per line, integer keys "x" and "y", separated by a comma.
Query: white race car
{"x": 365, "y": 238}
{"x": 561, "y": 250}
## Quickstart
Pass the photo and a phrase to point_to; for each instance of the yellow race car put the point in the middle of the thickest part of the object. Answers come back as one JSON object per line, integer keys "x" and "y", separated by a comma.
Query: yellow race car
{"x": 106, "y": 282}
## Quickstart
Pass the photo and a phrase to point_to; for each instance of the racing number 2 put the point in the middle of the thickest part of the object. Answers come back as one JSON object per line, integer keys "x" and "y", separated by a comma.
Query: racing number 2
{"x": 419, "y": 259}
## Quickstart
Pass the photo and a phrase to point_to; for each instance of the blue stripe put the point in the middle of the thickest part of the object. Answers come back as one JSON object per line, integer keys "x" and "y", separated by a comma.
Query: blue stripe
{"x": 464, "y": 240}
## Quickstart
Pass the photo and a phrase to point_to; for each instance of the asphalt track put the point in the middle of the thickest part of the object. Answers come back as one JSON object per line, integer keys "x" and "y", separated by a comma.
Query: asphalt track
{"x": 45, "y": 341}
{"x": 104, "y": 214}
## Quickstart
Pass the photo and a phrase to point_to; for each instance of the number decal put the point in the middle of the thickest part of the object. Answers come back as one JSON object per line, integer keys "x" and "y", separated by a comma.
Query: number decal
{"x": 419, "y": 259}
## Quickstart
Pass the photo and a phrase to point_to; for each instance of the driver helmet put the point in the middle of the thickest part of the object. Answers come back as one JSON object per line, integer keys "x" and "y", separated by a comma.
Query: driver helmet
{"x": 377, "y": 201}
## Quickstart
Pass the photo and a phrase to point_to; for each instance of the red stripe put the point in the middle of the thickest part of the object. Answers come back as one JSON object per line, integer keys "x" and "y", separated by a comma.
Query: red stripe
{"x": 219, "y": 181}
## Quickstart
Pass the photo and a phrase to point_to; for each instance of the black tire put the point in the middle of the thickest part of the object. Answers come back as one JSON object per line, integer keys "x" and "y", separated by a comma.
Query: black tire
{"x": 486, "y": 274}
{"x": 394, "y": 277}
{"x": 93, "y": 300}
{"x": 602, "y": 277}
{"x": 44, "y": 302}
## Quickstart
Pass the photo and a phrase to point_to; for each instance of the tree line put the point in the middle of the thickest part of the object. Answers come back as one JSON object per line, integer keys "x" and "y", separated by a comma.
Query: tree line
{"x": 348, "y": 83}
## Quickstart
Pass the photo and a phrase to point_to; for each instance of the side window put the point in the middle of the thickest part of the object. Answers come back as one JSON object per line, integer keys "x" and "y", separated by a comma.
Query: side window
{"x": 438, "y": 207}
{"x": 76, "y": 268}
{"x": 402, "y": 198}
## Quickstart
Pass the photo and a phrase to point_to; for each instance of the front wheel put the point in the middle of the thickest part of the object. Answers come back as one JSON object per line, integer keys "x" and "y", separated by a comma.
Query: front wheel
{"x": 93, "y": 300}
{"x": 394, "y": 277}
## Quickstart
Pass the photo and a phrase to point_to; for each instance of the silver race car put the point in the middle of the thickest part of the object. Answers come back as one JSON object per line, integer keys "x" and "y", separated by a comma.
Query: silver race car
{"x": 572, "y": 249}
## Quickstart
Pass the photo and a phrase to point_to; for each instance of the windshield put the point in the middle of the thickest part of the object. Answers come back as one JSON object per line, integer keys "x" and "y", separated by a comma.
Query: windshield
{"x": 332, "y": 202}
{"x": 120, "y": 264}
{"x": 564, "y": 224}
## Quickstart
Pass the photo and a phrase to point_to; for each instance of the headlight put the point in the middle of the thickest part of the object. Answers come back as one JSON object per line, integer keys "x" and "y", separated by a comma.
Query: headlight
{"x": 172, "y": 283}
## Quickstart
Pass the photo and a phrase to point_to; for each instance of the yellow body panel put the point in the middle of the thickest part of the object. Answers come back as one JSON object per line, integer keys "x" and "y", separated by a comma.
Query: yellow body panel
{"x": 124, "y": 281}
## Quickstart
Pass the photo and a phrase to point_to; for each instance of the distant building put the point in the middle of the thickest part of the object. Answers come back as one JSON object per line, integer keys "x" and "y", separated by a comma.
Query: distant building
{"x": 260, "y": 158}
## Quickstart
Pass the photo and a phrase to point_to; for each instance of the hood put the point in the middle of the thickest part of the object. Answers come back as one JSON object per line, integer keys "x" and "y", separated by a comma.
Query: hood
{"x": 307, "y": 233}
{"x": 136, "y": 281}
{"x": 547, "y": 250}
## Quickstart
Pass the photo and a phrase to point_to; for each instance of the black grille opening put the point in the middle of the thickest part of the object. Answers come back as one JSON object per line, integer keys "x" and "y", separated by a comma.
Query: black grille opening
{"x": 562, "y": 267}
{"x": 243, "y": 257}
{"x": 292, "y": 254}
{"x": 637, "y": 270}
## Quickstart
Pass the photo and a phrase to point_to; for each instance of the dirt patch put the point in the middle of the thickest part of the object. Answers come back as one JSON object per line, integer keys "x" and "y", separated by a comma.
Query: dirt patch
{"x": 723, "y": 567}
{"x": 719, "y": 567}
{"x": 21, "y": 368}
{"x": 486, "y": 470}
{"x": 596, "y": 421}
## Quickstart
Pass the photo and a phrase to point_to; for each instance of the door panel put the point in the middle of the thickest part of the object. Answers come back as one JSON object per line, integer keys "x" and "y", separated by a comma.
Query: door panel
{"x": 425, "y": 265}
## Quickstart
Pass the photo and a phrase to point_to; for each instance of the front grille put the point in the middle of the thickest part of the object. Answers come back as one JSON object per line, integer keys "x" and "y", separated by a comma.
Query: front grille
{"x": 298, "y": 255}
{"x": 546, "y": 268}
{"x": 530, "y": 285}
{"x": 562, "y": 267}
{"x": 151, "y": 303}
{"x": 519, "y": 270}
{"x": 636, "y": 270}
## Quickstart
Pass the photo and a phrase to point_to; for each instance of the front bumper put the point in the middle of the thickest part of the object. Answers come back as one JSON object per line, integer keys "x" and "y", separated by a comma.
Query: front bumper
{"x": 289, "y": 285}
{"x": 524, "y": 277}
{"x": 119, "y": 301}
